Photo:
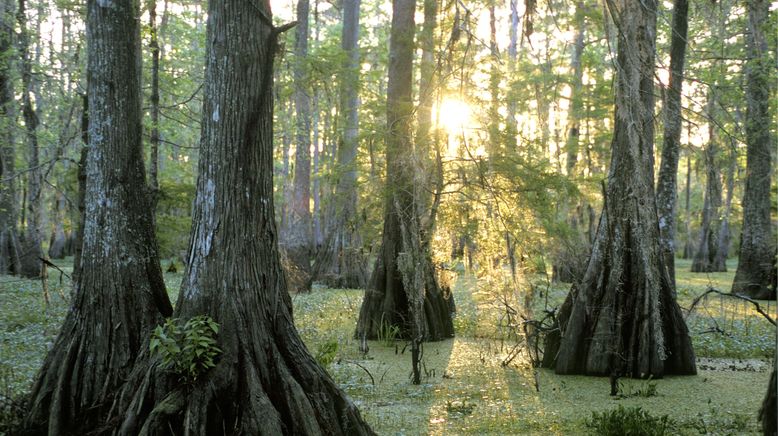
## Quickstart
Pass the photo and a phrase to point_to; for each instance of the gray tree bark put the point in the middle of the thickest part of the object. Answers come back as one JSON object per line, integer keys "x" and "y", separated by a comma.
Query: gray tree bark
{"x": 755, "y": 270}
{"x": 622, "y": 318}
{"x": 667, "y": 183}
{"x": 9, "y": 241}
{"x": 31, "y": 241}
{"x": 265, "y": 381}
{"x": 120, "y": 293}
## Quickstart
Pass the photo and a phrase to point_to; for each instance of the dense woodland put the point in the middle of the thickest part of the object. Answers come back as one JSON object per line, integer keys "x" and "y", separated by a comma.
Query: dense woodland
{"x": 360, "y": 217}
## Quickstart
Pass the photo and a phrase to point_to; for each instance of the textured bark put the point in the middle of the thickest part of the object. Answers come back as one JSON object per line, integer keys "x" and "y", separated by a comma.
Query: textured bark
{"x": 265, "y": 381}
{"x": 297, "y": 236}
{"x": 9, "y": 241}
{"x": 755, "y": 268}
{"x": 31, "y": 241}
{"x": 667, "y": 183}
{"x": 403, "y": 290}
{"x": 78, "y": 238}
{"x": 120, "y": 294}
{"x": 341, "y": 262}
{"x": 622, "y": 318}
{"x": 707, "y": 246}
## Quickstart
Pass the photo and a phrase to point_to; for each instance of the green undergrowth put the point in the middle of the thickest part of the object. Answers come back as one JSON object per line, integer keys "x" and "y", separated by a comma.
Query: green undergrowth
{"x": 466, "y": 388}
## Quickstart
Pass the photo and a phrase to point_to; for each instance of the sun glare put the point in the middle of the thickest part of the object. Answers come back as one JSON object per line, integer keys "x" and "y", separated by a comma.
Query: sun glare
{"x": 454, "y": 115}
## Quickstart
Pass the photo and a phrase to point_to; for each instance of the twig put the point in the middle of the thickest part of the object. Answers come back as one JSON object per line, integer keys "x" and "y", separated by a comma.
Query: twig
{"x": 712, "y": 290}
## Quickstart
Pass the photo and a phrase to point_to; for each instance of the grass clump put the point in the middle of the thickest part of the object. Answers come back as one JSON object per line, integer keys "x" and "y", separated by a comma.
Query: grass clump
{"x": 630, "y": 421}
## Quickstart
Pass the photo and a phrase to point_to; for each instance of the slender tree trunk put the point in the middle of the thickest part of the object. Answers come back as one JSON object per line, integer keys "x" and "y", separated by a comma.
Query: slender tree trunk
{"x": 622, "y": 318}
{"x": 403, "y": 290}
{"x": 341, "y": 262}
{"x": 298, "y": 234}
{"x": 154, "y": 103}
{"x": 755, "y": 270}
{"x": 568, "y": 263}
{"x": 576, "y": 97}
{"x": 706, "y": 249}
{"x": 9, "y": 241}
{"x": 724, "y": 237}
{"x": 265, "y": 382}
{"x": 31, "y": 242}
{"x": 57, "y": 240}
{"x": 688, "y": 247}
{"x": 667, "y": 185}
{"x": 120, "y": 294}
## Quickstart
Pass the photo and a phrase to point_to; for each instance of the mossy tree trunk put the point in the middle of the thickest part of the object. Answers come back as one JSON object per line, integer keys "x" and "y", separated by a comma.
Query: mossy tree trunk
{"x": 403, "y": 290}
{"x": 622, "y": 318}
{"x": 755, "y": 270}
{"x": 265, "y": 381}
{"x": 120, "y": 293}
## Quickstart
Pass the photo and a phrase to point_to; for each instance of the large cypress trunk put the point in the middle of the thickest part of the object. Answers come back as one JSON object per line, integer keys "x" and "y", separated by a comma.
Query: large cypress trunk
{"x": 340, "y": 262}
{"x": 667, "y": 184}
{"x": 120, "y": 294}
{"x": 755, "y": 270}
{"x": 265, "y": 381}
{"x": 9, "y": 241}
{"x": 622, "y": 318}
{"x": 403, "y": 290}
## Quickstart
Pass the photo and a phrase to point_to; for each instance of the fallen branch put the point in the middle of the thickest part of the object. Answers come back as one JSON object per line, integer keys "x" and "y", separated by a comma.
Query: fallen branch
{"x": 728, "y": 294}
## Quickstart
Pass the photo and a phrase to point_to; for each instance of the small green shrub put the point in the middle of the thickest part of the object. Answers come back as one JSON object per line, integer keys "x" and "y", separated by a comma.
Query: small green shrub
{"x": 645, "y": 389}
{"x": 189, "y": 350}
{"x": 632, "y": 421}
{"x": 388, "y": 334}
{"x": 326, "y": 352}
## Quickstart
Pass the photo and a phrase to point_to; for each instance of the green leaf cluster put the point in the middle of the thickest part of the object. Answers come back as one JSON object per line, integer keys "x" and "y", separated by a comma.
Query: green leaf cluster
{"x": 188, "y": 350}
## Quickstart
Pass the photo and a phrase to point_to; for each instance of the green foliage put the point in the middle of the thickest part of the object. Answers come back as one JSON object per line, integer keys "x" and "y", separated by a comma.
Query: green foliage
{"x": 174, "y": 217}
{"x": 631, "y": 421}
{"x": 326, "y": 352}
{"x": 644, "y": 389}
{"x": 388, "y": 334}
{"x": 189, "y": 350}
